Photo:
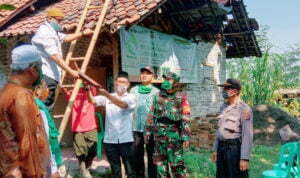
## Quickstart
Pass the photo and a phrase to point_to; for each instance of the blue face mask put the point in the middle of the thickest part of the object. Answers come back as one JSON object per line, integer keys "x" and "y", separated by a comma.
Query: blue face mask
{"x": 225, "y": 95}
{"x": 57, "y": 27}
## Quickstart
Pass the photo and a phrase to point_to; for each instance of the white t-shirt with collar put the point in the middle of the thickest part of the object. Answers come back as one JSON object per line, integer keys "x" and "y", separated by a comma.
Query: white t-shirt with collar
{"x": 49, "y": 42}
{"x": 118, "y": 121}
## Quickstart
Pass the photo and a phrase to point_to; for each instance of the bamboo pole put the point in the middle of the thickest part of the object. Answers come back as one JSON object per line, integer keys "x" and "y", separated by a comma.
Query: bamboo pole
{"x": 84, "y": 66}
{"x": 72, "y": 47}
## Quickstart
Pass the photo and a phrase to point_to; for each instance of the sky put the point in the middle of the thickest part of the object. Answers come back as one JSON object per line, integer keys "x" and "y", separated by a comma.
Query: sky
{"x": 282, "y": 17}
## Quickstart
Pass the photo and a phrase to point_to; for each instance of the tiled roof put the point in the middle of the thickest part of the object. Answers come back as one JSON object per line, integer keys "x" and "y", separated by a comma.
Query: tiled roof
{"x": 120, "y": 13}
{"x": 6, "y": 15}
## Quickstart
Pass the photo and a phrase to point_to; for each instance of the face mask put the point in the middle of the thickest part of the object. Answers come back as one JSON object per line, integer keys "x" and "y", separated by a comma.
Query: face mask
{"x": 144, "y": 89}
{"x": 225, "y": 95}
{"x": 81, "y": 85}
{"x": 166, "y": 85}
{"x": 40, "y": 77}
{"x": 57, "y": 27}
{"x": 120, "y": 88}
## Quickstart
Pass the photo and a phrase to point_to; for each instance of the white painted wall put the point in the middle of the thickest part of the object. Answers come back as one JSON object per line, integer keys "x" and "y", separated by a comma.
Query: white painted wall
{"x": 205, "y": 97}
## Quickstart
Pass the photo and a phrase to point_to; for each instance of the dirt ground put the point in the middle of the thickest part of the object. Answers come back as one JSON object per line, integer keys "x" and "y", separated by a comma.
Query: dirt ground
{"x": 100, "y": 168}
{"x": 72, "y": 166}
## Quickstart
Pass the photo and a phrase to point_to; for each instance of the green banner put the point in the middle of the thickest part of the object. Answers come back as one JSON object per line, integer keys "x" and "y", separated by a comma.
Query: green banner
{"x": 142, "y": 47}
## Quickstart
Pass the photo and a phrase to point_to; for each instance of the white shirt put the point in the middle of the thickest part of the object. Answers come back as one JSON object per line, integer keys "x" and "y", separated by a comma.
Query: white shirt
{"x": 118, "y": 121}
{"x": 49, "y": 42}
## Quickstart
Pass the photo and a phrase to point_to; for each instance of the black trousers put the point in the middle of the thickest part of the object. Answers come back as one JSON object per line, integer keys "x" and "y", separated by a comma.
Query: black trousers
{"x": 228, "y": 160}
{"x": 52, "y": 85}
{"x": 114, "y": 153}
{"x": 139, "y": 162}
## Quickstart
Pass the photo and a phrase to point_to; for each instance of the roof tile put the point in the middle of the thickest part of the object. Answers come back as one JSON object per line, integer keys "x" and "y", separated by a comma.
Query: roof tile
{"x": 141, "y": 6}
{"x": 142, "y": 12}
{"x": 151, "y": 5}
{"x": 20, "y": 5}
{"x": 134, "y": 18}
{"x": 123, "y": 12}
{"x": 131, "y": 13}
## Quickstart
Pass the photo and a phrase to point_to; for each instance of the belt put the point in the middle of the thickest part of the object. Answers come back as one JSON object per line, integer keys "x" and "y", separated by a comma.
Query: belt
{"x": 161, "y": 138}
{"x": 226, "y": 142}
{"x": 165, "y": 120}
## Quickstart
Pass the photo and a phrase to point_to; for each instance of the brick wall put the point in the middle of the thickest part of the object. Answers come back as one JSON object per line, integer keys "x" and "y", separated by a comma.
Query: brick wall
{"x": 5, "y": 58}
{"x": 204, "y": 132}
{"x": 205, "y": 97}
{"x": 3, "y": 74}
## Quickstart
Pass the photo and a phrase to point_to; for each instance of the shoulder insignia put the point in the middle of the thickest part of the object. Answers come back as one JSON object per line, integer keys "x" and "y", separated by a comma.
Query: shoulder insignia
{"x": 246, "y": 114}
{"x": 186, "y": 108}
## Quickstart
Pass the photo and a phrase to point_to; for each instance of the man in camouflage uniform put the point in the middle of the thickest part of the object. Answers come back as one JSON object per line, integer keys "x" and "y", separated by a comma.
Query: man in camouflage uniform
{"x": 169, "y": 122}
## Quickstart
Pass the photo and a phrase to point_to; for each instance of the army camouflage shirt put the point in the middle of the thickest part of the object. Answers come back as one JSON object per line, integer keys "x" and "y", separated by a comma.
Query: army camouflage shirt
{"x": 173, "y": 107}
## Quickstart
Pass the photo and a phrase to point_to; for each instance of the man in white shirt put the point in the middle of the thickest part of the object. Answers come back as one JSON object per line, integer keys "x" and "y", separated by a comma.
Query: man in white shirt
{"x": 48, "y": 40}
{"x": 118, "y": 137}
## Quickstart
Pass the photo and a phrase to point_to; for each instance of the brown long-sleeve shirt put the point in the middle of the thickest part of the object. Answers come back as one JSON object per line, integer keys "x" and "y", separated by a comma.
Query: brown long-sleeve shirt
{"x": 23, "y": 141}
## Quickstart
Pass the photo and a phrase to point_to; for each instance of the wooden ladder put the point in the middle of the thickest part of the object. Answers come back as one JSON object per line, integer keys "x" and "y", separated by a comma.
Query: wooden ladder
{"x": 85, "y": 61}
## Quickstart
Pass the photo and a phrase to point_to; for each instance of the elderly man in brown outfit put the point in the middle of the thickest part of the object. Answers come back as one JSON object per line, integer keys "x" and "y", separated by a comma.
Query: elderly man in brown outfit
{"x": 23, "y": 142}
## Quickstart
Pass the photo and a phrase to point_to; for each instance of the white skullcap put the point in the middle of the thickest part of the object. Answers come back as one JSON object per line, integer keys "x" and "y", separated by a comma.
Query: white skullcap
{"x": 25, "y": 54}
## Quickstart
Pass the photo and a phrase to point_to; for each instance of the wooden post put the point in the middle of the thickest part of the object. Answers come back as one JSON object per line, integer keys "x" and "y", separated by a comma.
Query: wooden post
{"x": 115, "y": 56}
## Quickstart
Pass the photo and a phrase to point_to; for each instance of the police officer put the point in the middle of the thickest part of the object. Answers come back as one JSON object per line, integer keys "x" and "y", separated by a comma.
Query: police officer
{"x": 232, "y": 146}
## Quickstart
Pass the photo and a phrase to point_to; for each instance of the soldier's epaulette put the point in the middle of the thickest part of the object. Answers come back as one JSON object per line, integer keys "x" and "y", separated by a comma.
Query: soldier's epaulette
{"x": 180, "y": 94}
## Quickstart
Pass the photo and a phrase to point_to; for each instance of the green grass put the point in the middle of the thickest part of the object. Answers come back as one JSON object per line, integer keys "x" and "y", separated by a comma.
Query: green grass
{"x": 200, "y": 166}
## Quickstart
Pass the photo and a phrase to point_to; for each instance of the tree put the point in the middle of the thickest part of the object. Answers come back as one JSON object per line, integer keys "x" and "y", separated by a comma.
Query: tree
{"x": 262, "y": 76}
{"x": 291, "y": 65}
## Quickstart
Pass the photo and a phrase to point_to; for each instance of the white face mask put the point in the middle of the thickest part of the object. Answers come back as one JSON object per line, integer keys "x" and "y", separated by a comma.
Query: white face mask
{"x": 121, "y": 89}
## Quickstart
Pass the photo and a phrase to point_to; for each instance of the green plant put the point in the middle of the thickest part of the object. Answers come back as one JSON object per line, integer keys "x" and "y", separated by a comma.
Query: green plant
{"x": 292, "y": 106}
{"x": 262, "y": 76}
{"x": 3, "y": 41}
{"x": 291, "y": 65}
{"x": 5, "y": 7}
{"x": 199, "y": 164}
